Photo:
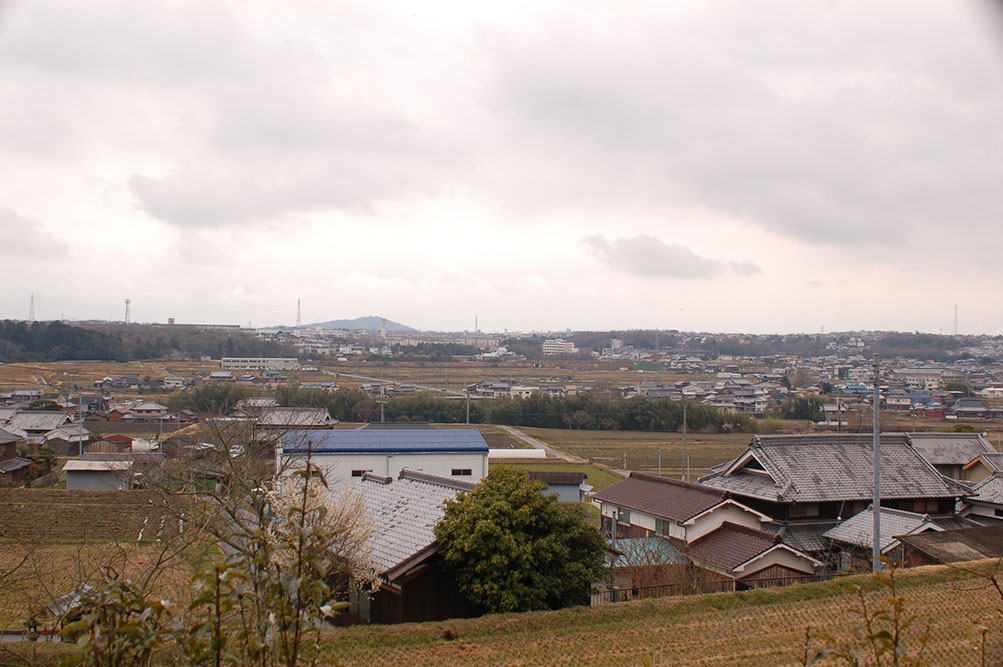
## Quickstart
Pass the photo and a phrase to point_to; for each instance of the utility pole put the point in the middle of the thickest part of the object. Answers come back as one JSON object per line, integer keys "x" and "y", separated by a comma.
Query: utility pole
{"x": 659, "y": 461}
{"x": 686, "y": 459}
{"x": 876, "y": 501}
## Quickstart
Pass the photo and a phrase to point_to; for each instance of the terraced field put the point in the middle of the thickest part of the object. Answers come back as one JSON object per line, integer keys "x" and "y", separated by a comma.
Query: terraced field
{"x": 765, "y": 627}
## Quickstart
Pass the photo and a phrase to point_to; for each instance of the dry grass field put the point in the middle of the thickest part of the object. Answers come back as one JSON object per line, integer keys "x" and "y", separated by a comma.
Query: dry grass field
{"x": 764, "y": 627}
{"x": 51, "y": 540}
{"x": 633, "y": 450}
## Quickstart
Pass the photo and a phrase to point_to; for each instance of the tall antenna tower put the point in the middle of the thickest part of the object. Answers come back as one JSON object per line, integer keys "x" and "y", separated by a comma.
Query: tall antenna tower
{"x": 299, "y": 319}
{"x": 383, "y": 327}
{"x": 127, "y": 314}
{"x": 476, "y": 328}
{"x": 955, "y": 319}
{"x": 31, "y": 308}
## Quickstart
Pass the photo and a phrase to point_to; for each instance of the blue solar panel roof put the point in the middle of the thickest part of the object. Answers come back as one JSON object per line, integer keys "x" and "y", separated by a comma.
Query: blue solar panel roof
{"x": 385, "y": 441}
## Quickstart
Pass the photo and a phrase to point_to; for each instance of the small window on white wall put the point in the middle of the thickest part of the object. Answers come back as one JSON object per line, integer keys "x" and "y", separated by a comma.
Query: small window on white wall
{"x": 359, "y": 473}
{"x": 462, "y": 472}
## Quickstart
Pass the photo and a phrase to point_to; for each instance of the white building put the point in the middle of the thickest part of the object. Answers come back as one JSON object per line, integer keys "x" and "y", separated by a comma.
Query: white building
{"x": 554, "y": 346}
{"x": 346, "y": 455}
{"x": 259, "y": 363}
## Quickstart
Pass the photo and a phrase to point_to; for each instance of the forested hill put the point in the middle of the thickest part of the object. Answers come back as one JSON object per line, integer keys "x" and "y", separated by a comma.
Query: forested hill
{"x": 58, "y": 341}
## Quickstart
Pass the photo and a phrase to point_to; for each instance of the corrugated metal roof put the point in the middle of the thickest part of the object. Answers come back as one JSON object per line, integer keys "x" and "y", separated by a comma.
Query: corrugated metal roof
{"x": 558, "y": 477}
{"x": 404, "y": 512}
{"x": 76, "y": 465}
{"x": 829, "y": 467}
{"x": 661, "y": 496}
{"x": 950, "y": 448}
{"x": 385, "y": 441}
{"x": 858, "y": 530}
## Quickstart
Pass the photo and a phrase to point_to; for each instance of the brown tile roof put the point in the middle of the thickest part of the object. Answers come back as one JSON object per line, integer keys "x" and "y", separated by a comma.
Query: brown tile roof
{"x": 730, "y": 545}
{"x": 661, "y": 496}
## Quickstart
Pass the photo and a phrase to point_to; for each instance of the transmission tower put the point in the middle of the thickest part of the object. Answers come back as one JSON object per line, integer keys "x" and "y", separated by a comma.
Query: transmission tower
{"x": 955, "y": 319}
{"x": 127, "y": 314}
{"x": 299, "y": 319}
{"x": 31, "y": 308}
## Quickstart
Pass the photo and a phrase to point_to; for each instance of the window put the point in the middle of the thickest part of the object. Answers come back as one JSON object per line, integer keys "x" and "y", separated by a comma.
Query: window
{"x": 462, "y": 472}
{"x": 663, "y": 527}
{"x": 623, "y": 516}
{"x": 359, "y": 473}
{"x": 926, "y": 506}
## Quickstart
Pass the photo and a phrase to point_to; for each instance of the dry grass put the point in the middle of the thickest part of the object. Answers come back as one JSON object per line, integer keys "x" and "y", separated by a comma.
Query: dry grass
{"x": 765, "y": 627}
{"x": 633, "y": 450}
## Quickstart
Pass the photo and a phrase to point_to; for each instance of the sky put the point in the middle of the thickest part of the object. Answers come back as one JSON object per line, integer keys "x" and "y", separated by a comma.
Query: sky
{"x": 765, "y": 167}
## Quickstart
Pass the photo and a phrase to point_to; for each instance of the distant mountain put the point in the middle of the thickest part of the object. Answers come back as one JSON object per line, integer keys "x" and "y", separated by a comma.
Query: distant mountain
{"x": 371, "y": 323}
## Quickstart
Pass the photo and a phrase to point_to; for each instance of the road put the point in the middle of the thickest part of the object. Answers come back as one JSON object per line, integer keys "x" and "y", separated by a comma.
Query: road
{"x": 528, "y": 439}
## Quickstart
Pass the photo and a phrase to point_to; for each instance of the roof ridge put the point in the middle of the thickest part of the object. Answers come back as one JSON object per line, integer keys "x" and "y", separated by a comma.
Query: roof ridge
{"x": 648, "y": 477}
{"x": 418, "y": 476}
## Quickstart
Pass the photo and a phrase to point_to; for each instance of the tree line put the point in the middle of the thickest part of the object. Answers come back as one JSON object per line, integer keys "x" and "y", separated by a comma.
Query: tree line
{"x": 583, "y": 411}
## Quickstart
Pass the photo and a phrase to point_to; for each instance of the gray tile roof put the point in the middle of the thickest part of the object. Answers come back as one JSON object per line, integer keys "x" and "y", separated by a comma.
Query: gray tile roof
{"x": 7, "y": 437}
{"x": 990, "y": 490}
{"x": 661, "y": 497}
{"x": 950, "y": 448}
{"x": 291, "y": 417}
{"x": 805, "y": 537}
{"x": 14, "y": 464}
{"x": 404, "y": 512}
{"x": 37, "y": 420}
{"x": 858, "y": 530}
{"x": 830, "y": 467}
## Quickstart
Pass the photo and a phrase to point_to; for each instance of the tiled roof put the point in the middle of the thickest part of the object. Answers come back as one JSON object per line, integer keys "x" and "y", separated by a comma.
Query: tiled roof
{"x": 291, "y": 417}
{"x": 560, "y": 477}
{"x": 730, "y": 545}
{"x": 858, "y": 530}
{"x": 7, "y": 437}
{"x": 14, "y": 464}
{"x": 37, "y": 420}
{"x": 387, "y": 441}
{"x": 952, "y": 546}
{"x": 805, "y": 537}
{"x": 814, "y": 468}
{"x": 990, "y": 490}
{"x": 992, "y": 461}
{"x": 950, "y": 448}
{"x": 404, "y": 512}
{"x": 661, "y": 496}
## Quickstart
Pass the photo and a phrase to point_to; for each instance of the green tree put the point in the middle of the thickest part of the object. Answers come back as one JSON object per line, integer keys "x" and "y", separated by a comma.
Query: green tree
{"x": 963, "y": 387}
{"x": 44, "y": 405}
{"x": 513, "y": 549}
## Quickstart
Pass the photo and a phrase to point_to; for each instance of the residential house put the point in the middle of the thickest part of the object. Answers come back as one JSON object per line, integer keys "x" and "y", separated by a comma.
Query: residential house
{"x": 950, "y": 453}
{"x": 68, "y": 439}
{"x": 968, "y": 408}
{"x": 953, "y": 546}
{"x": 411, "y": 585}
{"x": 854, "y": 537}
{"x": 150, "y": 411}
{"x": 718, "y": 534}
{"x": 347, "y": 455}
{"x": 986, "y": 501}
{"x": 32, "y": 425}
{"x": 13, "y": 468}
{"x": 809, "y": 483}
{"x": 568, "y": 486}
{"x": 291, "y": 418}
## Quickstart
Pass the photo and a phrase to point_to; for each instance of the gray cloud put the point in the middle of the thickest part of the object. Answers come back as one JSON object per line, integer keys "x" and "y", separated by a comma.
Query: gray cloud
{"x": 769, "y": 117}
{"x": 23, "y": 238}
{"x": 650, "y": 257}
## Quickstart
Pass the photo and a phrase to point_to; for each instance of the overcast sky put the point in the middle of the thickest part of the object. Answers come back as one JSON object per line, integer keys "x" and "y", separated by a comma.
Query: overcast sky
{"x": 713, "y": 166}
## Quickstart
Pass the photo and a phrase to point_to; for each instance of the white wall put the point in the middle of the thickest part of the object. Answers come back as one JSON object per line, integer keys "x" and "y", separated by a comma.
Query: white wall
{"x": 778, "y": 557}
{"x": 712, "y": 521}
{"x": 338, "y": 467}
